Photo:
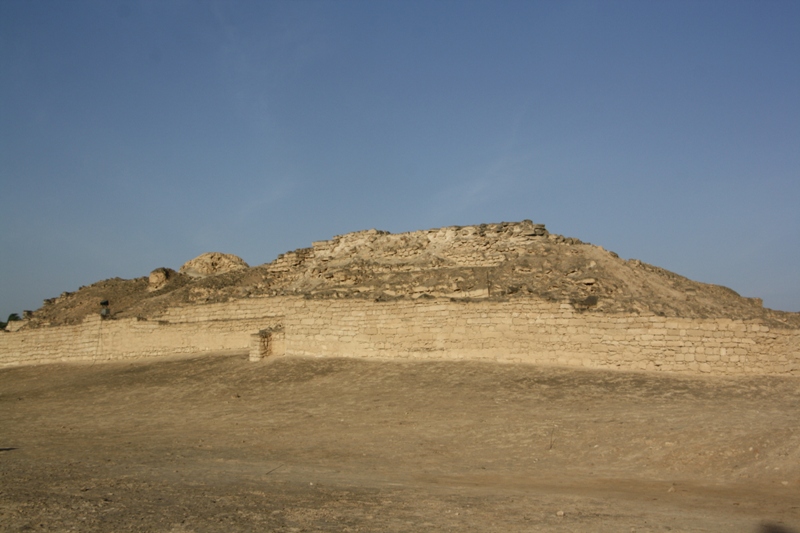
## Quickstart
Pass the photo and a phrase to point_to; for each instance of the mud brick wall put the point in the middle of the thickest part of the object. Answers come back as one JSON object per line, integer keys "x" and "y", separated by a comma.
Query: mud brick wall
{"x": 515, "y": 331}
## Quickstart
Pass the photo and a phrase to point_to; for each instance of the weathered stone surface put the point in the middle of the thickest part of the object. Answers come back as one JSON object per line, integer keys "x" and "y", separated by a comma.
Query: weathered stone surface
{"x": 213, "y": 263}
{"x": 159, "y": 278}
{"x": 521, "y": 330}
{"x": 16, "y": 325}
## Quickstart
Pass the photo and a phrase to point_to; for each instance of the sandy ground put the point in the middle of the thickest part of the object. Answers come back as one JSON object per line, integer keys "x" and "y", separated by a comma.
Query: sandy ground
{"x": 216, "y": 443}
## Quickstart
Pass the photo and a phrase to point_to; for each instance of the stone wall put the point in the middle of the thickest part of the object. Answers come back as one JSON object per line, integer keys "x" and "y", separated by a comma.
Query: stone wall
{"x": 527, "y": 331}
{"x": 101, "y": 340}
{"x": 539, "y": 333}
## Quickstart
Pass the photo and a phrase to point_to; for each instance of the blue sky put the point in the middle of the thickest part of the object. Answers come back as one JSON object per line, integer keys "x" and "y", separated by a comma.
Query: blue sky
{"x": 140, "y": 134}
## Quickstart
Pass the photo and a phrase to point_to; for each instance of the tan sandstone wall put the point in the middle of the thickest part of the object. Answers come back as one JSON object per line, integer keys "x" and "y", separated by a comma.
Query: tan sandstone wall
{"x": 100, "y": 340}
{"x": 536, "y": 332}
{"x": 263, "y": 308}
{"x": 516, "y": 330}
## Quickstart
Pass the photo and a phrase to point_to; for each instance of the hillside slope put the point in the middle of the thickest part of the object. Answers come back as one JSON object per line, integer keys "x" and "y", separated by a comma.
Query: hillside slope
{"x": 497, "y": 261}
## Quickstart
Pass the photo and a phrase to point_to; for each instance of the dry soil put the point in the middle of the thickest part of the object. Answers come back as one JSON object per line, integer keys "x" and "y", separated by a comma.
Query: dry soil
{"x": 217, "y": 443}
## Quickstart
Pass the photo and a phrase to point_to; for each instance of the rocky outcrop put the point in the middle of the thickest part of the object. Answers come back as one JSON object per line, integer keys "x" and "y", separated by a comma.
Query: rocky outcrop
{"x": 212, "y": 263}
{"x": 159, "y": 278}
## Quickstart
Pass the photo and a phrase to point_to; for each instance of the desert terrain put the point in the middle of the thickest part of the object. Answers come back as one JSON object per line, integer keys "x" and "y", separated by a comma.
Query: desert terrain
{"x": 217, "y": 443}
{"x": 214, "y": 442}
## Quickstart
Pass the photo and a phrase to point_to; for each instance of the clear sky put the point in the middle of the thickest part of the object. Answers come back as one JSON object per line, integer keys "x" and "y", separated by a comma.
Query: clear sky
{"x": 140, "y": 134}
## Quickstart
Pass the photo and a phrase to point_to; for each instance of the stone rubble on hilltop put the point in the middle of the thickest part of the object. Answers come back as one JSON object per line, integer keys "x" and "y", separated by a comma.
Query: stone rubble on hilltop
{"x": 213, "y": 263}
{"x": 488, "y": 261}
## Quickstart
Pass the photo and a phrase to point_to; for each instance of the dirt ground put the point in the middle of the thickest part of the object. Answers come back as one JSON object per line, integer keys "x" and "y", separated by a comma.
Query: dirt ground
{"x": 217, "y": 443}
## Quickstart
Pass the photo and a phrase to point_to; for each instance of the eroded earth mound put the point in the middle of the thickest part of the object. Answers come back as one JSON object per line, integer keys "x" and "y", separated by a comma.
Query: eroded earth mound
{"x": 488, "y": 261}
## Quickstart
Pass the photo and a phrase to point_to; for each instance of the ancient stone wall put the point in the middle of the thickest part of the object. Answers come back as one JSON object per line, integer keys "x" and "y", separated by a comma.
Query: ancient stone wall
{"x": 540, "y": 333}
{"x": 527, "y": 331}
{"x": 269, "y": 309}
{"x": 100, "y": 340}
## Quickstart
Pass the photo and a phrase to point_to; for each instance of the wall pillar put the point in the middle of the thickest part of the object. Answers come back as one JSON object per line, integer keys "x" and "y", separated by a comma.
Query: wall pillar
{"x": 267, "y": 343}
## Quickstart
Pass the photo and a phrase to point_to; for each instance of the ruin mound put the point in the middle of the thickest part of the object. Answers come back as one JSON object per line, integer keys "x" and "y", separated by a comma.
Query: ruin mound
{"x": 487, "y": 261}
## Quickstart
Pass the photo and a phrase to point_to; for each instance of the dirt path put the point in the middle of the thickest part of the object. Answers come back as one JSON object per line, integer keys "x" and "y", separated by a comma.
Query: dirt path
{"x": 221, "y": 444}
